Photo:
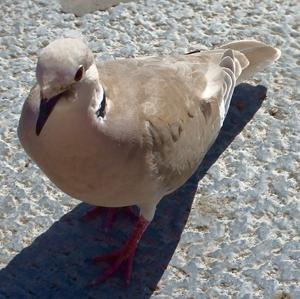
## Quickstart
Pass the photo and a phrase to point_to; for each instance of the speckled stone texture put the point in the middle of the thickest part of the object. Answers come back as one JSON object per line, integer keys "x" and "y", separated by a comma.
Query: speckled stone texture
{"x": 232, "y": 231}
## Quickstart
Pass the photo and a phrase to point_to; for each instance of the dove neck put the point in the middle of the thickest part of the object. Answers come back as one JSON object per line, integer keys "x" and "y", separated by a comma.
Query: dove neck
{"x": 92, "y": 75}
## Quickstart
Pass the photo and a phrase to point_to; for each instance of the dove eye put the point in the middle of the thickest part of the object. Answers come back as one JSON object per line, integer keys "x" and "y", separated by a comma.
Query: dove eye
{"x": 79, "y": 73}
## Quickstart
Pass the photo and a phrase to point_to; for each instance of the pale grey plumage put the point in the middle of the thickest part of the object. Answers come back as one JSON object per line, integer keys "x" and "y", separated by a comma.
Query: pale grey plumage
{"x": 161, "y": 116}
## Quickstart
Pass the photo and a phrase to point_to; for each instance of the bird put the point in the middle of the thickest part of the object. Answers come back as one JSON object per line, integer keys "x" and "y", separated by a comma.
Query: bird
{"x": 126, "y": 132}
{"x": 82, "y": 7}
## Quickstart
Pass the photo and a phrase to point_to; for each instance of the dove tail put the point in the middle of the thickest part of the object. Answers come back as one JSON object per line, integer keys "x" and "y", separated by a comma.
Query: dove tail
{"x": 258, "y": 55}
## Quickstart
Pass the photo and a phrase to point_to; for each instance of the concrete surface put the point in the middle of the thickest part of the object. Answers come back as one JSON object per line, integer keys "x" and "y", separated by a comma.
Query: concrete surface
{"x": 233, "y": 231}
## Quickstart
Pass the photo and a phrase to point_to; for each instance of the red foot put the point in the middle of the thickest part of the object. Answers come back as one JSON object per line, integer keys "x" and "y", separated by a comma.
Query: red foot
{"x": 123, "y": 255}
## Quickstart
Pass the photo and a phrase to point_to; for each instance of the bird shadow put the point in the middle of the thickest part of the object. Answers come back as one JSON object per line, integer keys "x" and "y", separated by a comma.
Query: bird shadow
{"x": 56, "y": 264}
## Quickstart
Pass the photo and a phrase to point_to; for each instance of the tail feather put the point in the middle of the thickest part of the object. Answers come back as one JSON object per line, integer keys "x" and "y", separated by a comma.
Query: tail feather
{"x": 258, "y": 54}
{"x": 230, "y": 66}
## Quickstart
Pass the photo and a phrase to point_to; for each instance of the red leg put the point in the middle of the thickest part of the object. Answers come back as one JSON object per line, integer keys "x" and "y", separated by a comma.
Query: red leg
{"x": 123, "y": 255}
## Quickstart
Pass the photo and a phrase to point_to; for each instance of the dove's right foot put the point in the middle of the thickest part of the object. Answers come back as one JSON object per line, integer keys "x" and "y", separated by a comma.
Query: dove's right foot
{"x": 123, "y": 256}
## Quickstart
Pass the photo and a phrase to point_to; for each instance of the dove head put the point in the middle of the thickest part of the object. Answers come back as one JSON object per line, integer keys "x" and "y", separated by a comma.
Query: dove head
{"x": 61, "y": 65}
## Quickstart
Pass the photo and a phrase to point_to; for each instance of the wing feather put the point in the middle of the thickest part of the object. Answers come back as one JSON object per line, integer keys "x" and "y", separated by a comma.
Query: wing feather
{"x": 176, "y": 106}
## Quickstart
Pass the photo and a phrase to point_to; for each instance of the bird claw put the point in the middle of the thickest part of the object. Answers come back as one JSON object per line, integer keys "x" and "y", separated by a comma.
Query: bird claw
{"x": 120, "y": 257}
{"x": 123, "y": 255}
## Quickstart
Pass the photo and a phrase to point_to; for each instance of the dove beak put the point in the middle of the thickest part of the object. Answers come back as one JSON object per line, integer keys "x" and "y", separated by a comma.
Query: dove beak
{"x": 46, "y": 107}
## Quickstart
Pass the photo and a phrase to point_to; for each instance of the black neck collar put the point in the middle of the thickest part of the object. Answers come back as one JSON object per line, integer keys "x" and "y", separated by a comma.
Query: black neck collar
{"x": 101, "y": 111}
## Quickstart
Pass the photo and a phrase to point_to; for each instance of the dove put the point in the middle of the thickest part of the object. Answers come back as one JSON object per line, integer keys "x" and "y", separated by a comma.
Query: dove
{"x": 129, "y": 131}
{"x": 82, "y": 7}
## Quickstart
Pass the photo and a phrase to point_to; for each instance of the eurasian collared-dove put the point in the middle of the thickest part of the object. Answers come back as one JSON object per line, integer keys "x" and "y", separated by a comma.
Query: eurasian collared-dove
{"x": 129, "y": 131}
{"x": 81, "y": 7}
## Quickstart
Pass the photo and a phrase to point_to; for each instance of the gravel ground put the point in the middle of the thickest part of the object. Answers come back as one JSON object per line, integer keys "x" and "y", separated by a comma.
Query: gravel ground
{"x": 232, "y": 231}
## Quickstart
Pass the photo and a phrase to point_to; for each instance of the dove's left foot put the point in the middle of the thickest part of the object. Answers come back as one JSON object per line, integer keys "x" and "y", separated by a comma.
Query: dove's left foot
{"x": 122, "y": 256}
